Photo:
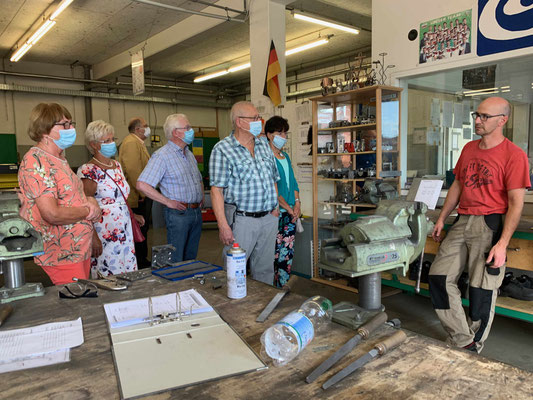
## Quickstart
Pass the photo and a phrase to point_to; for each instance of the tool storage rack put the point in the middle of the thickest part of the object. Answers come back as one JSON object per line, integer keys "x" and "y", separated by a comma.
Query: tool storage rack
{"x": 387, "y": 134}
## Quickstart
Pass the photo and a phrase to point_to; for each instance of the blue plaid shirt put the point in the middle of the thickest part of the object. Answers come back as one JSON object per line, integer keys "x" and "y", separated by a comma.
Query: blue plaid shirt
{"x": 176, "y": 172}
{"x": 248, "y": 182}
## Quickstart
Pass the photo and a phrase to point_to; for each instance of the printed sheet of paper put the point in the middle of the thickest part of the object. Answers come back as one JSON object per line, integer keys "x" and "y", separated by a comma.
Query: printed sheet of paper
{"x": 131, "y": 312}
{"x": 46, "y": 338}
{"x": 34, "y": 361}
{"x": 447, "y": 114}
{"x": 428, "y": 192}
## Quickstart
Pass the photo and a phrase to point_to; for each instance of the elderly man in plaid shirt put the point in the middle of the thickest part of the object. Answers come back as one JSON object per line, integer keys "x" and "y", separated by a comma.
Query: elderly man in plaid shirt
{"x": 174, "y": 169}
{"x": 244, "y": 192}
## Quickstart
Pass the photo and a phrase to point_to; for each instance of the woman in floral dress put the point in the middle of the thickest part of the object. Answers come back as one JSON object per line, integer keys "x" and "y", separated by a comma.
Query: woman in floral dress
{"x": 289, "y": 200}
{"x": 113, "y": 250}
{"x": 52, "y": 196}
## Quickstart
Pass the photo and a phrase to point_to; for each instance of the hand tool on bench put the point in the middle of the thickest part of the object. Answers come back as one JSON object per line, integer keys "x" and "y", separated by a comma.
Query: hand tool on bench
{"x": 276, "y": 299}
{"x": 5, "y": 311}
{"x": 362, "y": 333}
{"x": 108, "y": 283}
{"x": 379, "y": 349}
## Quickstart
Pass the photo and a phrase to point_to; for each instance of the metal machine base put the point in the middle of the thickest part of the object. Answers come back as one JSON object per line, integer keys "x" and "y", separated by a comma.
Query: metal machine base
{"x": 22, "y": 292}
{"x": 352, "y": 315}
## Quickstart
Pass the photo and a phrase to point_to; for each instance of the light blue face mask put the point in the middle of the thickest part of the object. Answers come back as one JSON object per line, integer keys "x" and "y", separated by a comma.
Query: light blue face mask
{"x": 279, "y": 142}
{"x": 189, "y": 136}
{"x": 108, "y": 149}
{"x": 67, "y": 137}
{"x": 255, "y": 128}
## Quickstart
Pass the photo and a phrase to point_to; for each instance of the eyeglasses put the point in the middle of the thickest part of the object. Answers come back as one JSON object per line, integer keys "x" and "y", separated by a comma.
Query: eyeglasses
{"x": 77, "y": 290}
{"x": 108, "y": 141}
{"x": 484, "y": 117}
{"x": 185, "y": 127}
{"x": 255, "y": 118}
{"x": 66, "y": 124}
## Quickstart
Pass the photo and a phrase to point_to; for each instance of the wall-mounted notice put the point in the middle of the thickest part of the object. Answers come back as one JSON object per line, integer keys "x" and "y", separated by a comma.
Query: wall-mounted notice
{"x": 445, "y": 37}
{"x": 137, "y": 72}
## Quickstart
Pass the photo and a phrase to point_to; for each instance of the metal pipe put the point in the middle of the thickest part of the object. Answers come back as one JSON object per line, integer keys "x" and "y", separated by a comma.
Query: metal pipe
{"x": 221, "y": 7}
{"x": 106, "y": 83}
{"x": 13, "y": 273}
{"x": 203, "y": 14}
{"x": 59, "y": 78}
{"x": 86, "y": 93}
{"x": 370, "y": 291}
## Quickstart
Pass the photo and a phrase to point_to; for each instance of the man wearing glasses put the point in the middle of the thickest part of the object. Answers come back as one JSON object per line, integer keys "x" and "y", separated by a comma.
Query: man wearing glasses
{"x": 174, "y": 169}
{"x": 133, "y": 156}
{"x": 243, "y": 176}
{"x": 490, "y": 181}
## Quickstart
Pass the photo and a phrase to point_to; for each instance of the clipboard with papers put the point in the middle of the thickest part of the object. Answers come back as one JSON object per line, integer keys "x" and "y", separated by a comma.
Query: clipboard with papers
{"x": 175, "y": 340}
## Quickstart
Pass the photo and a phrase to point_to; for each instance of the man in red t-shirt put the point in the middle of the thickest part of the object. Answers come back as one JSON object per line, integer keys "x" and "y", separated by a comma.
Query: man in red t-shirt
{"x": 490, "y": 180}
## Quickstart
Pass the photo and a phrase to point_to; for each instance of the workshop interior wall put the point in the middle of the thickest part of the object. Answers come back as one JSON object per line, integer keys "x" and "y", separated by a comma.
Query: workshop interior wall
{"x": 15, "y": 108}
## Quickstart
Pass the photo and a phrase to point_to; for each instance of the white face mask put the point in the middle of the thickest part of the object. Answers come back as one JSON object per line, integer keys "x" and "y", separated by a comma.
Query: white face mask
{"x": 147, "y": 132}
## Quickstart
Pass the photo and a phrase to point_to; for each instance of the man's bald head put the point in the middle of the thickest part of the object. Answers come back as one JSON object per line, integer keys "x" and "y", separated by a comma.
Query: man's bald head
{"x": 496, "y": 105}
{"x": 242, "y": 109}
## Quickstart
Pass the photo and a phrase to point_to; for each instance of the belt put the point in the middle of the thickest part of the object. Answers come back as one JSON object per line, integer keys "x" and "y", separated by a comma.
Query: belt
{"x": 258, "y": 214}
{"x": 189, "y": 205}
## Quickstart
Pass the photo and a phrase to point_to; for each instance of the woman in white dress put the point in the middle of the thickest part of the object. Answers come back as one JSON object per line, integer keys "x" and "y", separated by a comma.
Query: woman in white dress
{"x": 113, "y": 250}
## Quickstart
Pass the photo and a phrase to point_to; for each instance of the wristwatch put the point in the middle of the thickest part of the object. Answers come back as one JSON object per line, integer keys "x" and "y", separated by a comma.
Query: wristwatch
{"x": 297, "y": 199}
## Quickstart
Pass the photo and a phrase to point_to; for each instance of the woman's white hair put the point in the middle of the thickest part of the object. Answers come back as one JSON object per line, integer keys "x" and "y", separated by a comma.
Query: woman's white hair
{"x": 95, "y": 131}
{"x": 172, "y": 122}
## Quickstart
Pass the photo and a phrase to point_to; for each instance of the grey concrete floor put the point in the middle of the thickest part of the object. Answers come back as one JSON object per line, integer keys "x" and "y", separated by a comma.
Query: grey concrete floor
{"x": 510, "y": 340}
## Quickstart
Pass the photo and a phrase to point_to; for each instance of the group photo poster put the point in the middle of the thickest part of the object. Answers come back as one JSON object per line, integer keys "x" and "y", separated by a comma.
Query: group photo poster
{"x": 446, "y": 37}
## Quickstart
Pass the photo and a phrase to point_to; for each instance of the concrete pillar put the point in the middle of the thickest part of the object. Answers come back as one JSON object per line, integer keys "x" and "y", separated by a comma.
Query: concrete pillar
{"x": 267, "y": 22}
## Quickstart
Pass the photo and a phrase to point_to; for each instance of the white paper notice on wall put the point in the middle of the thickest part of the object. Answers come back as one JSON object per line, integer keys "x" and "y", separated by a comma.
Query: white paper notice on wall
{"x": 305, "y": 174}
{"x": 435, "y": 112}
{"x": 457, "y": 115}
{"x": 137, "y": 72}
{"x": 419, "y": 136}
{"x": 466, "y": 112}
{"x": 428, "y": 192}
{"x": 447, "y": 114}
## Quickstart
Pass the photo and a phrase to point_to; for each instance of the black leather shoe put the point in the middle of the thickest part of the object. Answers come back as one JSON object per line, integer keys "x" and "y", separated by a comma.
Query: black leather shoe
{"x": 526, "y": 281}
{"x": 516, "y": 290}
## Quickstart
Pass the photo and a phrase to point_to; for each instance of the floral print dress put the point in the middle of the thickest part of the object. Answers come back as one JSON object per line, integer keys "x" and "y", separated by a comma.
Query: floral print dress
{"x": 114, "y": 228}
{"x": 44, "y": 175}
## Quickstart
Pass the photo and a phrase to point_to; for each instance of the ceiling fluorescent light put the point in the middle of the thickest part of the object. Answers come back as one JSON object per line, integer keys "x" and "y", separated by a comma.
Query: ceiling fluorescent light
{"x": 210, "y": 76}
{"x": 247, "y": 65}
{"x": 323, "y": 22}
{"x": 41, "y": 32}
{"x": 306, "y": 47}
{"x": 20, "y": 52}
{"x": 239, "y": 67}
{"x": 64, "y": 4}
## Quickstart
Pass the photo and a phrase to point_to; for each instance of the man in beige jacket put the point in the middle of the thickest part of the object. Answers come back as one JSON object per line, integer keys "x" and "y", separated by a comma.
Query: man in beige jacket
{"x": 133, "y": 156}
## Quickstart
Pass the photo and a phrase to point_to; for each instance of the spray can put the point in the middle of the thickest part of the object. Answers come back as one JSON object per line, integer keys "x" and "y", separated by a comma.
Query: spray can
{"x": 236, "y": 272}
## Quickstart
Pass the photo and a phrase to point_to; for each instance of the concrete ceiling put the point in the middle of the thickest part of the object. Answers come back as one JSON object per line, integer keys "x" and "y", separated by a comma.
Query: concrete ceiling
{"x": 94, "y": 31}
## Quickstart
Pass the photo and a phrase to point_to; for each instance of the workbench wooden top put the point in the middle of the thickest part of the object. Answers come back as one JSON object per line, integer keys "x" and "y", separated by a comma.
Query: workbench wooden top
{"x": 421, "y": 368}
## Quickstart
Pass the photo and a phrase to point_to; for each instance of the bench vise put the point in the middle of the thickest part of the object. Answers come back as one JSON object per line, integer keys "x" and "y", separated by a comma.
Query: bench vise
{"x": 391, "y": 239}
{"x": 18, "y": 239}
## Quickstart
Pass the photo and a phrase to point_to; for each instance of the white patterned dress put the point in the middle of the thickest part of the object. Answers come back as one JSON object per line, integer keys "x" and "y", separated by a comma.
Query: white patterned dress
{"x": 114, "y": 228}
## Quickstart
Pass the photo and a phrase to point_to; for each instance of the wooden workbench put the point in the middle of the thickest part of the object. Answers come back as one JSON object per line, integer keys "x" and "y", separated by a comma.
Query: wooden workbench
{"x": 421, "y": 368}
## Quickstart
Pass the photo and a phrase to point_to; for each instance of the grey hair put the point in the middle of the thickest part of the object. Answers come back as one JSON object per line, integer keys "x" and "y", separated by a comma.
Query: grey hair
{"x": 171, "y": 123}
{"x": 95, "y": 131}
{"x": 234, "y": 111}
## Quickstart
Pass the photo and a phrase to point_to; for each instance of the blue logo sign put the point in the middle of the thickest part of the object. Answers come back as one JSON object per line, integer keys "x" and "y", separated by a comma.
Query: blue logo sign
{"x": 504, "y": 25}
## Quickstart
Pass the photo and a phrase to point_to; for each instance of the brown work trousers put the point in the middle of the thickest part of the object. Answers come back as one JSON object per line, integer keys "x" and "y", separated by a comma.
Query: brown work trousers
{"x": 467, "y": 245}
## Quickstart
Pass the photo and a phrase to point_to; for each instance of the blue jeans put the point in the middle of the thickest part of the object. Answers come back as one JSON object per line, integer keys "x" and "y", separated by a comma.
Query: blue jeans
{"x": 184, "y": 229}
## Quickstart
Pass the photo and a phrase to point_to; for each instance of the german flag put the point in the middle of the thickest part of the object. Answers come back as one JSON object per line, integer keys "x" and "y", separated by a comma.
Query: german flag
{"x": 271, "y": 82}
